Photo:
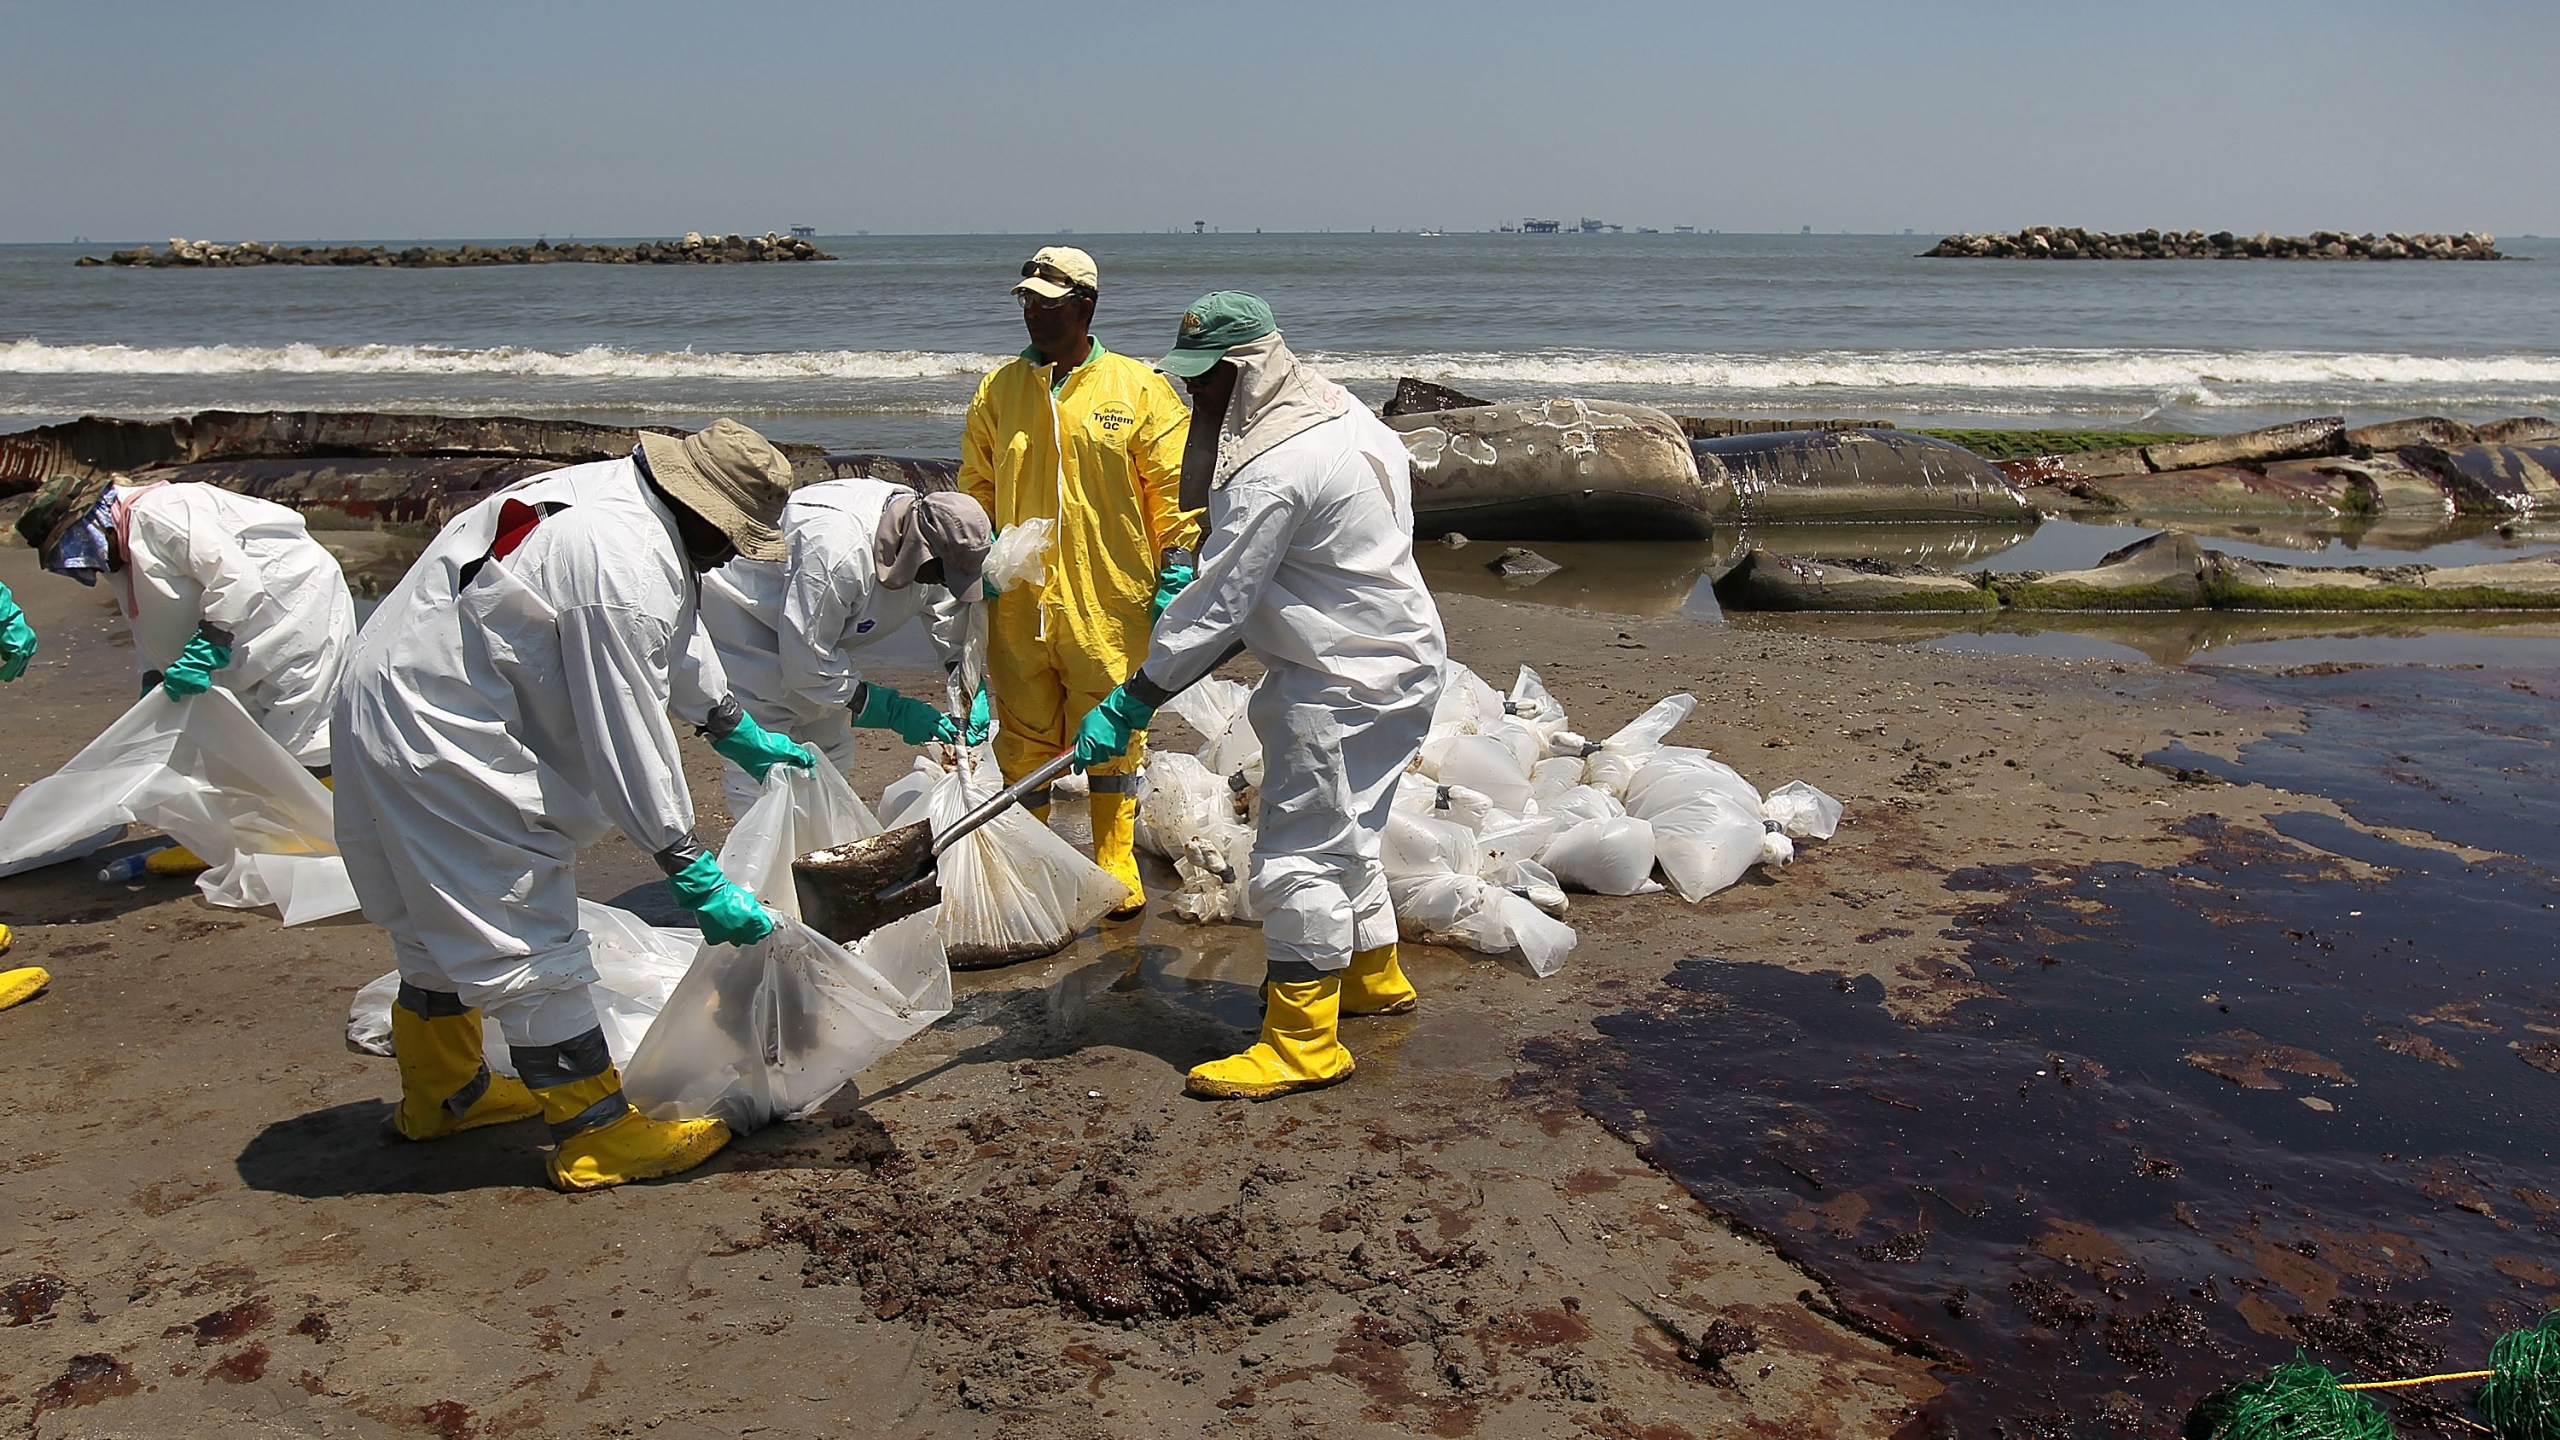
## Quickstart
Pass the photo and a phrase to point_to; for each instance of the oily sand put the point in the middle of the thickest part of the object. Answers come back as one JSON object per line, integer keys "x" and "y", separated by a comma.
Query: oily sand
{"x": 1017, "y": 1225}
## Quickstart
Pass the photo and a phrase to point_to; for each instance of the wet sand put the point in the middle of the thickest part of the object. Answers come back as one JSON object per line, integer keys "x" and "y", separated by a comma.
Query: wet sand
{"x": 1017, "y": 1224}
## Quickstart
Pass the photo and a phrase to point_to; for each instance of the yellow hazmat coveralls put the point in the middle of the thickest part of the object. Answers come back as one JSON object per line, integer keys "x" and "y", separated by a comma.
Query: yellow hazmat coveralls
{"x": 1104, "y": 459}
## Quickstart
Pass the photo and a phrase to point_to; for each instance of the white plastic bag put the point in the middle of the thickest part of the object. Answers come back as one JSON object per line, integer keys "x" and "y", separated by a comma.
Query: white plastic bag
{"x": 1228, "y": 746}
{"x": 1418, "y": 794}
{"x": 1483, "y": 763}
{"x": 1532, "y": 882}
{"x": 1550, "y": 778}
{"x": 1623, "y": 754}
{"x": 772, "y": 1030}
{"x": 1187, "y": 815}
{"x": 1608, "y": 857}
{"x": 798, "y": 811}
{"x": 1704, "y": 833}
{"x": 1020, "y": 555}
{"x": 1803, "y": 812}
{"x": 1469, "y": 911}
{"x": 637, "y": 967}
{"x": 1011, "y": 890}
{"x": 1178, "y": 799}
{"x": 203, "y": 771}
{"x": 1533, "y": 707}
{"x": 1466, "y": 705}
{"x": 1584, "y": 802}
{"x": 1420, "y": 845}
{"x": 1505, "y": 840}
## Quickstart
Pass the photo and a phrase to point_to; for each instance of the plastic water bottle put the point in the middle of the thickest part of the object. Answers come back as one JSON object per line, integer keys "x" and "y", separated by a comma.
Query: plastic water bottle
{"x": 129, "y": 867}
{"x": 132, "y": 867}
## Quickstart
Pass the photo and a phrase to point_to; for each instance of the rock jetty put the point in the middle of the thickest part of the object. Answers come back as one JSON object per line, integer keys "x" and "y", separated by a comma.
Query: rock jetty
{"x": 694, "y": 249}
{"x": 2059, "y": 242}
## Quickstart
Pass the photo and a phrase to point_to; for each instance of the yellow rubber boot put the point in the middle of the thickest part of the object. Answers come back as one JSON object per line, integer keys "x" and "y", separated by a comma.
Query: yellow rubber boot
{"x": 1375, "y": 984}
{"x": 22, "y": 984}
{"x": 1300, "y": 1048}
{"x": 445, "y": 1085}
{"x": 1115, "y": 842}
{"x": 603, "y": 1141}
{"x": 175, "y": 860}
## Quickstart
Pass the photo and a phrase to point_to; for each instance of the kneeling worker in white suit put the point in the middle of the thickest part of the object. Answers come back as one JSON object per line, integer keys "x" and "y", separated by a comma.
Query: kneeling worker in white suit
{"x": 1309, "y": 563}
{"x": 508, "y": 704}
{"x": 220, "y": 589}
{"x": 865, "y": 557}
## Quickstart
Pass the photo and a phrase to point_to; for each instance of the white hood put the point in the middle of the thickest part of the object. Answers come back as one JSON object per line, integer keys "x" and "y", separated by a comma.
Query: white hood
{"x": 1275, "y": 398}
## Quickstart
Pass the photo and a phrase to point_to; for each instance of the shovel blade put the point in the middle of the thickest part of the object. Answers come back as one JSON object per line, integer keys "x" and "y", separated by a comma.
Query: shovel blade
{"x": 841, "y": 889}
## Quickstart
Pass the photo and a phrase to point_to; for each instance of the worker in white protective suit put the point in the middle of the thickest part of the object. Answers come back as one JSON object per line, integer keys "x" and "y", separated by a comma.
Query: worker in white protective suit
{"x": 508, "y": 704}
{"x": 865, "y": 558}
{"x": 220, "y": 589}
{"x": 1308, "y": 562}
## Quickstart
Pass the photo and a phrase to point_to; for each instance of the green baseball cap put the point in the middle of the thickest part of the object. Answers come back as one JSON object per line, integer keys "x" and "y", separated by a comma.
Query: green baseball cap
{"x": 1216, "y": 323}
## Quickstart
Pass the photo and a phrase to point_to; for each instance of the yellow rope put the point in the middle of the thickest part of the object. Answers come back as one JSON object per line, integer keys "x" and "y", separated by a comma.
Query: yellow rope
{"x": 2421, "y": 1380}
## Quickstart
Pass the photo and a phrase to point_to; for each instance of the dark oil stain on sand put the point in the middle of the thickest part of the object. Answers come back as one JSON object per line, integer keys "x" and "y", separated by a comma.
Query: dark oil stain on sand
{"x": 2260, "y": 1101}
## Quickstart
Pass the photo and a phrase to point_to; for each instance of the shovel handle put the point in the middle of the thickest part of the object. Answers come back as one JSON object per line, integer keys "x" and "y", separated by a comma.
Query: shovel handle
{"x": 1002, "y": 800}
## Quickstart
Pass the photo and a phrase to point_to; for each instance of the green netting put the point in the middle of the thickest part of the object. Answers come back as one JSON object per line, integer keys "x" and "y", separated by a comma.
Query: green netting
{"x": 2522, "y": 1402}
{"x": 2299, "y": 1401}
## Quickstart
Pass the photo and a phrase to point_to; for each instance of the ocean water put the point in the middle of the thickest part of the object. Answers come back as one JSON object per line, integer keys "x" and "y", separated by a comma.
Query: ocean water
{"x": 881, "y": 348}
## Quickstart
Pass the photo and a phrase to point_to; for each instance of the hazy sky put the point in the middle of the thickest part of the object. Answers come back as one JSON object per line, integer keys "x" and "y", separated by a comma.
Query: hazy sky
{"x": 458, "y": 118}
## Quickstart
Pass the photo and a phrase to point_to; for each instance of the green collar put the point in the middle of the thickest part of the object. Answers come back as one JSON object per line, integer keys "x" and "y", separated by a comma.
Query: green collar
{"x": 1058, "y": 380}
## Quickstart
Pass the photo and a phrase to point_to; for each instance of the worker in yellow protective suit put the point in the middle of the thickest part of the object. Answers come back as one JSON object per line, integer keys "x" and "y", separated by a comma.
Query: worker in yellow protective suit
{"x": 1071, "y": 432}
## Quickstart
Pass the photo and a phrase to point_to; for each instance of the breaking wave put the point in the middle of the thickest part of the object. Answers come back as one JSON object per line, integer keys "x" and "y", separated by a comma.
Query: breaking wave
{"x": 36, "y": 377}
{"x": 2201, "y": 374}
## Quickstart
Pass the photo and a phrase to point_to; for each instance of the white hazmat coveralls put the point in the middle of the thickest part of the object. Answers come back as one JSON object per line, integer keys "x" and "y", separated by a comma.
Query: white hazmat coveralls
{"x": 199, "y": 554}
{"x": 508, "y": 704}
{"x": 1309, "y": 561}
{"x": 788, "y": 633}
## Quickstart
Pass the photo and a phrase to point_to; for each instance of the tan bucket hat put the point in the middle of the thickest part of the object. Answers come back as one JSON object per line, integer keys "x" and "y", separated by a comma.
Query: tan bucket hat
{"x": 730, "y": 476}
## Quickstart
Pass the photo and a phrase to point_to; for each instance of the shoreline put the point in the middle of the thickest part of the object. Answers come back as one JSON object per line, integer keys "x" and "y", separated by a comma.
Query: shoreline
{"x": 1472, "y": 1254}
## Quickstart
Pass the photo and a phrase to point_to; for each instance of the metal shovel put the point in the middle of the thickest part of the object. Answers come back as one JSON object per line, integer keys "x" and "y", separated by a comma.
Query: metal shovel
{"x": 851, "y": 890}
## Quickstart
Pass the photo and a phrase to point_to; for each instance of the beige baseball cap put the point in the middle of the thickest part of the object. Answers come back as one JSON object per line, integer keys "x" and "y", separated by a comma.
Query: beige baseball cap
{"x": 1059, "y": 270}
{"x": 730, "y": 476}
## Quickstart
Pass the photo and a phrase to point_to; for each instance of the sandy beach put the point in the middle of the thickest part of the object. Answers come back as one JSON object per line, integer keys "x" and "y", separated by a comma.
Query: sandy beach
{"x": 205, "y": 1233}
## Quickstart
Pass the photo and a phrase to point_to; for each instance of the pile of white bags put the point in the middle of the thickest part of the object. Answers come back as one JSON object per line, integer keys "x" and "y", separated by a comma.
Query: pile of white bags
{"x": 1011, "y": 890}
{"x": 1504, "y": 810}
{"x": 203, "y": 771}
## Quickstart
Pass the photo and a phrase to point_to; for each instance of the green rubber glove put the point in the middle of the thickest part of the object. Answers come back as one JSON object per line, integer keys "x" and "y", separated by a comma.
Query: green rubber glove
{"x": 981, "y": 720}
{"x": 17, "y": 637}
{"x": 757, "y": 750}
{"x": 1172, "y": 580}
{"x": 192, "y": 672}
{"x": 916, "y": 722}
{"x": 730, "y": 913}
{"x": 1106, "y": 730}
